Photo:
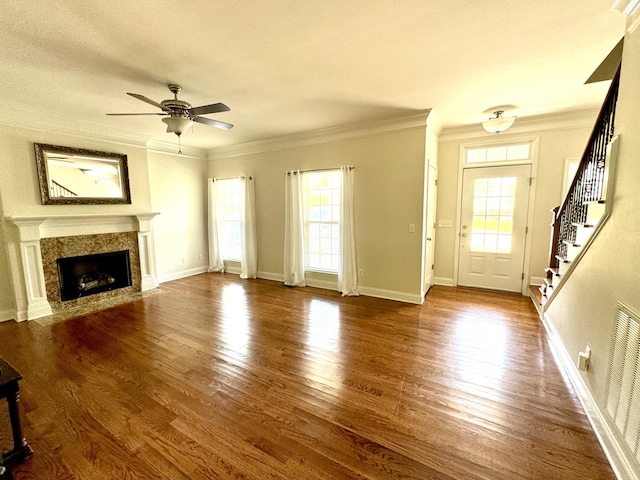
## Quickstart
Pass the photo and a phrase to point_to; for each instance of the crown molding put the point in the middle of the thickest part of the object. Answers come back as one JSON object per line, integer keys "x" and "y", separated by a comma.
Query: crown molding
{"x": 75, "y": 128}
{"x": 538, "y": 123}
{"x": 325, "y": 135}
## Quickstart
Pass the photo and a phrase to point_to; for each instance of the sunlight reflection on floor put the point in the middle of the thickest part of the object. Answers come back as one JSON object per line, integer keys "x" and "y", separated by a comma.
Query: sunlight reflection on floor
{"x": 323, "y": 343}
{"x": 236, "y": 329}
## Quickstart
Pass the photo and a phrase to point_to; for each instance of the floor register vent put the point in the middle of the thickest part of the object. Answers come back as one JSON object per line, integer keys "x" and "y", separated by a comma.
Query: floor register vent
{"x": 623, "y": 387}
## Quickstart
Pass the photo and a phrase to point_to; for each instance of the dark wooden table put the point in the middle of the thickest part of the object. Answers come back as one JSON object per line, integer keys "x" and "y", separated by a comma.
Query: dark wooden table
{"x": 10, "y": 390}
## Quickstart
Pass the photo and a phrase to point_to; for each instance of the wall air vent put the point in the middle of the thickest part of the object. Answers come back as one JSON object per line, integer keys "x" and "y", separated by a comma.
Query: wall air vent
{"x": 623, "y": 387}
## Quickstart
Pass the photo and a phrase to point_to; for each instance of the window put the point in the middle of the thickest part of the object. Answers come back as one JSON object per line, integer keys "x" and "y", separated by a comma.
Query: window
{"x": 502, "y": 153}
{"x": 321, "y": 206}
{"x": 229, "y": 218}
{"x": 493, "y": 207}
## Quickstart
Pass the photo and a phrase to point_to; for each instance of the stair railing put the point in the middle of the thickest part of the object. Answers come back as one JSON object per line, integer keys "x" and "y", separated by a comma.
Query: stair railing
{"x": 588, "y": 183}
{"x": 58, "y": 190}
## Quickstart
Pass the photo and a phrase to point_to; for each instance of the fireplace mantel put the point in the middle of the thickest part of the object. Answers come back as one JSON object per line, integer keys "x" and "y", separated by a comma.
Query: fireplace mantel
{"x": 32, "y": 228}
{"x": 35, "y": 227}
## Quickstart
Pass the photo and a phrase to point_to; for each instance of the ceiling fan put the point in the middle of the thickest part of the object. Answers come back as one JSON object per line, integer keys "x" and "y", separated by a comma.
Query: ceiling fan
{"x": 179, "y": 114}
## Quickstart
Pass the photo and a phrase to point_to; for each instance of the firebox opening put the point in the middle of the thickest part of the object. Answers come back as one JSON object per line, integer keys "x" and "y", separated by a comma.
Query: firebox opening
{"x": 90, "y": 274}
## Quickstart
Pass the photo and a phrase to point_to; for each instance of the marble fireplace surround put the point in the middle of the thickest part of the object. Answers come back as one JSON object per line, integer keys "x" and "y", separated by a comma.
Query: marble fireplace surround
{"x": 32, "y": 228}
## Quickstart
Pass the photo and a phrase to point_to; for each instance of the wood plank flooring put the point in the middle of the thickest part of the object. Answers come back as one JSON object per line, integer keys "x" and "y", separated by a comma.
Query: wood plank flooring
{"x": 222, "y": 378}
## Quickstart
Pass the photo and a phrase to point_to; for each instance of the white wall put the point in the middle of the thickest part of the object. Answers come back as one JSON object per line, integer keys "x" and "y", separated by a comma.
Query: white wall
{"x": 554, "y": 146}
{"x": 178, "y": 187}
{"x": 583, "y": 311}
{"x": 20, "y": 193}
{"x": 7, "y": 304}
{"x": 389, "y": 169}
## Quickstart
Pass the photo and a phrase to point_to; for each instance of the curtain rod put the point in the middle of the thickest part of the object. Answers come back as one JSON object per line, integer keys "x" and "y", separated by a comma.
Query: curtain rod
{"x": 322, "y": 170}
{"x": 241, "y": 177}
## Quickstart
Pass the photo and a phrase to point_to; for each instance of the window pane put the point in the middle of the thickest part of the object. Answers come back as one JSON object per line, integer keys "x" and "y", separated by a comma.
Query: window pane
{"x": 493, "y": 205}
{"x": 518, "y": 152}
{"x": 504, "y": 244}
{"x": 480, "y": 187}
{"x": 476, "y": 155}
{"x": 506, "y": 205}
{"x": 494, "y": 187}
{"x": 321, "y": 205}
{"x": 478, "y": 224}
{"x": 480, "y": 206}
{"x": 491, "y": 224}
{"x": 499, "y": 153}
{"x": 496, "y": 154}
{"x": 229, "y": 203}
{"x": 477, "y": 242}
{"x": 506, "y": 224}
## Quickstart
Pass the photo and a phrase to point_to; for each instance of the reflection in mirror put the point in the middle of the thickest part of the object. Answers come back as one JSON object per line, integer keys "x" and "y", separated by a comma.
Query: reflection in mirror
{"x": 77, "y": 176}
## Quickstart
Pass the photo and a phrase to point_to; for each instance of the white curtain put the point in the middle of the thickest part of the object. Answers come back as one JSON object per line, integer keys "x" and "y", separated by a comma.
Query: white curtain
{"x": 348, "y": 272}
{"x": 215, "y": 254}
{"x": 248, "y": 242}
{"x": 293, "y": 231}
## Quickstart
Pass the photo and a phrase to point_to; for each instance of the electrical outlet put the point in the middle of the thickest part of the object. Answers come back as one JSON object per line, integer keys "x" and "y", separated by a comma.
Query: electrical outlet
{"x": 412, "y": 228}
{"x": 202, "y": 256}
{"x": 360, "y": 272}
{"x": 184, "y": 260}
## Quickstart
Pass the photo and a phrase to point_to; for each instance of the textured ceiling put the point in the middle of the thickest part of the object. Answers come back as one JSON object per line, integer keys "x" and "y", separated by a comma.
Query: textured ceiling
{"x": 293, "y": 66}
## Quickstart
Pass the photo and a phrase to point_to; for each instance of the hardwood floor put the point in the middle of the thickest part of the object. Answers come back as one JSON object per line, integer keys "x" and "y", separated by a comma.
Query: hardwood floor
{"x": 222, "y": 378}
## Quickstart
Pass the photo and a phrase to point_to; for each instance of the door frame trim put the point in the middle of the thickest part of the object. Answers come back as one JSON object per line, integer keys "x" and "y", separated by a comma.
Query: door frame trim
{"x": 463, "y": 165}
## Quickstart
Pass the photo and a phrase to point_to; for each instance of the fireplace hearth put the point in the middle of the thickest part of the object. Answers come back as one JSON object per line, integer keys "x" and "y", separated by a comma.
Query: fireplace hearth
{"x": 86, "y": 275}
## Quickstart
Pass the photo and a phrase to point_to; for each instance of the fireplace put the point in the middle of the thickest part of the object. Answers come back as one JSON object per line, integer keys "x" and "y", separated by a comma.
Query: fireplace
{"x": 41, "y": 240}
{"x": 86, "y": 275}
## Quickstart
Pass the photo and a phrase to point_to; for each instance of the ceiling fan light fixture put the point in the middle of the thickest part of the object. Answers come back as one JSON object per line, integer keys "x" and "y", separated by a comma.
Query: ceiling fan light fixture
{"x": 177, "y": 124}
{"x": 498, "y": 124}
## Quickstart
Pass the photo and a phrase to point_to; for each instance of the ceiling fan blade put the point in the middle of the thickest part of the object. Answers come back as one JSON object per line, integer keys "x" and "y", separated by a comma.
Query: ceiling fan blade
{"x": 149, "y": 101}
{"x": 213, "y": 123}
{"x": 213, "y": 108}
{"x": 116, "y": 114}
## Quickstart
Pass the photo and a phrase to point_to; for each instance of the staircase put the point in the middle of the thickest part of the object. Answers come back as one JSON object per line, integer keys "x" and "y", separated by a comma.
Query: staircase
{"x": 585, "y": 208}
{"x": 57, "y": 190}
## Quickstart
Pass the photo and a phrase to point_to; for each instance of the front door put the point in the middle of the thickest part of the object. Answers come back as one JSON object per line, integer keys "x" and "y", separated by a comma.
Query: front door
{"x": 493, "y": 227}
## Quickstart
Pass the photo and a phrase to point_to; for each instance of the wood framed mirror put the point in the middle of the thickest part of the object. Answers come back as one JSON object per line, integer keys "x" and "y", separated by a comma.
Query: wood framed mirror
{"x": 70, "y": 176}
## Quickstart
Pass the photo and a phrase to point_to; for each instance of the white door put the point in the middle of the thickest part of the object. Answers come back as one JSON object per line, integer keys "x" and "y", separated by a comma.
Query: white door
{"x": 493, "y": 227}
{"x": 430, "y": 228}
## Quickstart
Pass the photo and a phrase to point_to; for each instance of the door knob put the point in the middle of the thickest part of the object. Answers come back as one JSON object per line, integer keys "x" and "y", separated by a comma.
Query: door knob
{"x": 464, "y": 234}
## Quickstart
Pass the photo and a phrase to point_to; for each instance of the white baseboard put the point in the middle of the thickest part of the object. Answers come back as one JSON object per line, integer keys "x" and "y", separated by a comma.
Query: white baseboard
{"x": 624, "y": 466}
{"x": 366, "y": 291}
{"x": 181, "y": 274}
{"x": 235, "y": 269}
{"x": 6, "y": 315}
{"x": 325, "y": 284}
{"x": 446, "y": 281}
{"x": 391, "y": 295}
{"x": 276, "y": 277}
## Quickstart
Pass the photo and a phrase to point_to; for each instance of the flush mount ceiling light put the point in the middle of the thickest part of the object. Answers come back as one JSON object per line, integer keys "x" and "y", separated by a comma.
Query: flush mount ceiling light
{"x": 498, "y": 124}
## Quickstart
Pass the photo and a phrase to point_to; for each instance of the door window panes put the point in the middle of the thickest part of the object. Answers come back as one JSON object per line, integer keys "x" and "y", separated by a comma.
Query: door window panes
{"x": 492, "y": 223}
